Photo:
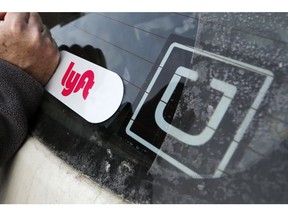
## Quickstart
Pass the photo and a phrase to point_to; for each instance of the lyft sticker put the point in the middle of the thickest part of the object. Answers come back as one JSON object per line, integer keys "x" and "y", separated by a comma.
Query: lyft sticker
{"x": 93, "y": 92}
{"x": 71, "y": 78}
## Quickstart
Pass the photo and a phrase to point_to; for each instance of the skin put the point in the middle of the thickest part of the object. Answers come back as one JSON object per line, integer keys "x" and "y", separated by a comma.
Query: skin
{"x": 27, "y": 43}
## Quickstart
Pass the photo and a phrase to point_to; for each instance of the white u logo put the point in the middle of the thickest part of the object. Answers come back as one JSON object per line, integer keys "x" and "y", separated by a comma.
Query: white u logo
{"x": 229, "y": 92}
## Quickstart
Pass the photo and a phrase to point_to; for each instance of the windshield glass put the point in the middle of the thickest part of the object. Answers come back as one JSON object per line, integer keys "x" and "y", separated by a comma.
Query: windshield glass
{"x": 204, "y": 115}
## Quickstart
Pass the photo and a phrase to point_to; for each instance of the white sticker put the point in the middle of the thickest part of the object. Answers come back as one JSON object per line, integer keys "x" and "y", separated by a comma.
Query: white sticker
{"x": 93, "y": 92}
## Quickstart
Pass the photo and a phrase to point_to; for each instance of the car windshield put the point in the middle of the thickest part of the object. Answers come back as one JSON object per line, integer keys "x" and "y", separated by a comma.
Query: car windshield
{"x": 204, "y": 115}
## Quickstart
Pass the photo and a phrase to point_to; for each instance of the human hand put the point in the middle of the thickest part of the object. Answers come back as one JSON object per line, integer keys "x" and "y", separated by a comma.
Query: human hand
{"x": 28, "y": 44}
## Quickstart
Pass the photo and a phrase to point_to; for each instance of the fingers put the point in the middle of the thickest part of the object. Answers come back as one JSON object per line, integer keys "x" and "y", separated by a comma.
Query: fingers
{"x": 31, "y": 20}
{"x": 36, "y": 21}
{"x": 17, "y": 17}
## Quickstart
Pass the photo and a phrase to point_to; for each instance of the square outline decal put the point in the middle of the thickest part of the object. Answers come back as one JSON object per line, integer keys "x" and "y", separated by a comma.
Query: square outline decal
{"x": 189, "y": 75}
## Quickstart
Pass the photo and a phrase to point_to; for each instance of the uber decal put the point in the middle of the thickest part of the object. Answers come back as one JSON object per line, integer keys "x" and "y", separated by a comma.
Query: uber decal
{"x": 196, "y": 108}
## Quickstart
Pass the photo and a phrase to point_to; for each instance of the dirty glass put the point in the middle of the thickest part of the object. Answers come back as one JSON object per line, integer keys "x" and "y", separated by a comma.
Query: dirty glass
{"x": 204, "y": 115}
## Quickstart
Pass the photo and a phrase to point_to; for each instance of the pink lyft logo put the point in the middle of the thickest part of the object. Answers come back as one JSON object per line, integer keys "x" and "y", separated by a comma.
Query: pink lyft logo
{"x": 73, "y": 81}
